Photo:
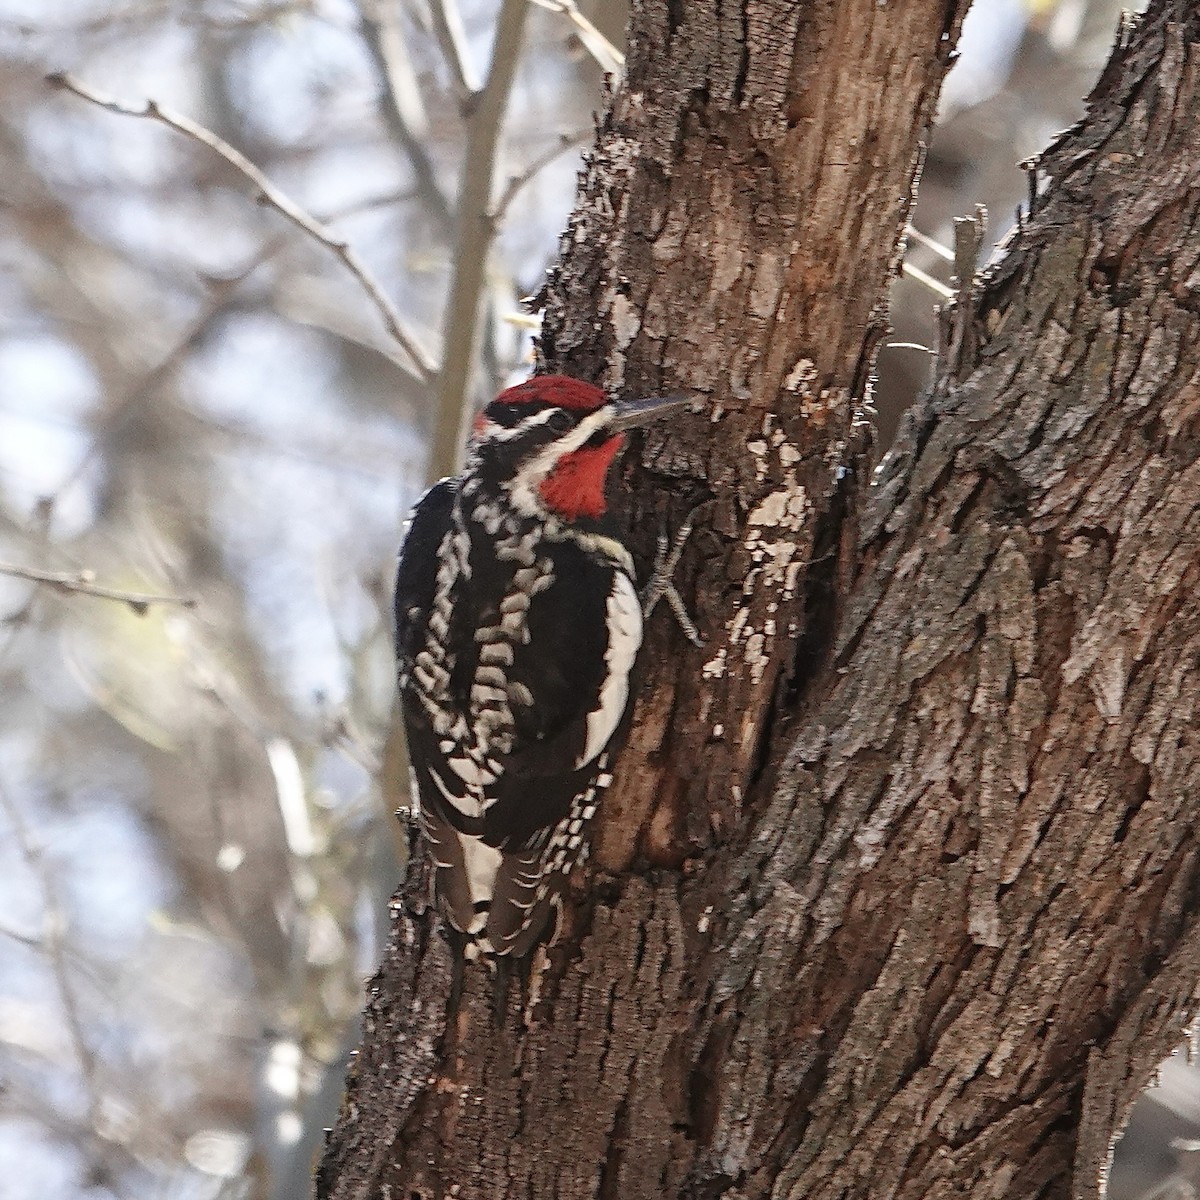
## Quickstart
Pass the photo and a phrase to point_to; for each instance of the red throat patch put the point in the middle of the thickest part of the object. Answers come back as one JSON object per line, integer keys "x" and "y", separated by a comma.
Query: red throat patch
{"x": 575, "y": 488}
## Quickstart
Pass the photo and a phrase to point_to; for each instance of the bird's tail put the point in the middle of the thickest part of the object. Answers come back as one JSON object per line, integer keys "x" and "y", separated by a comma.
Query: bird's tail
{"x": 527, "y": 905}
{"x": 501, "y": 901}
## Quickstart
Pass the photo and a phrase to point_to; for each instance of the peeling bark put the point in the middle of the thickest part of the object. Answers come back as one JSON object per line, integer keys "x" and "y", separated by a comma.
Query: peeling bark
{"x": 899, "y": 892}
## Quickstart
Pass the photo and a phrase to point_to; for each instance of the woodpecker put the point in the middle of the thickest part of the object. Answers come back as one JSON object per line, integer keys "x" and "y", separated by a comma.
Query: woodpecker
{"x": 517, "y": 624}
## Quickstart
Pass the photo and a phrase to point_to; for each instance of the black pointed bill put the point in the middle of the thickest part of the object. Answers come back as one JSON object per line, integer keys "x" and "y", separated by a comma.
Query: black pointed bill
{"x": 629, "y": 414}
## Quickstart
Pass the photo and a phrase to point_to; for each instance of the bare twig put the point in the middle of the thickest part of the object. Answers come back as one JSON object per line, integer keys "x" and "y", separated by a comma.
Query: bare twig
{"x": 83, "y": 583}
{"x": 943, "y": 252}
{"x": 566, "y": 141}
{"x": 448, "y": 26}
{"x": 934, "y": 285}
{"x": 608, "y": 57}
{"x": 307, "y": 303}
{"x": 343, "y": 735}
{"x": 53, "y": 943}
{"x": 370, "y": 203}
{"x": 382, "y": 21}
{"x": 269, "y": 194}
{"x": 28, "y": 940}
{"x": 139, "y": 15}
{"x": 474, "y": 236}
{"x": 387, "y": 49}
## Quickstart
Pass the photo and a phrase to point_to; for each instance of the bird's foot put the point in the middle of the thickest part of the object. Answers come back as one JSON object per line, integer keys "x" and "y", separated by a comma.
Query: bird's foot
{"x": 661, "y": 584}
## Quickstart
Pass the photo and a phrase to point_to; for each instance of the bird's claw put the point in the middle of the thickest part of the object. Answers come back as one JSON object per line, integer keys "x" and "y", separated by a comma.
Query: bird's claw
{"x": 661, "y": 584}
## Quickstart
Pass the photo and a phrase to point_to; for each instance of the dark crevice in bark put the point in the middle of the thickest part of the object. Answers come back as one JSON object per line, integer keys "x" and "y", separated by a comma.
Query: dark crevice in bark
{"x": 951, "y": 22}
{"x": 1139, "y": 793}
{"x": 704, "y": 1084}
{"x": 676, "y": 13}
{"x": 743, "y": 68}
{"x": 823, "y": 578}
{"x": 609, "y": 1188}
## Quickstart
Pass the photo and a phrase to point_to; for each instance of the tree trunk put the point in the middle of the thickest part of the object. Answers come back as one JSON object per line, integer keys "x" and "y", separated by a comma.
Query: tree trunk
{"x": 895, "y": 897}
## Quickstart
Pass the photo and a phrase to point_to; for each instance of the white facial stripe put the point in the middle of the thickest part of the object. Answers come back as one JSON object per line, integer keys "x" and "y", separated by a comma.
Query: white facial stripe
{"x": 608, "y": 547}
{"x": 502, "y": 433}
{"x": 523, "y": 488}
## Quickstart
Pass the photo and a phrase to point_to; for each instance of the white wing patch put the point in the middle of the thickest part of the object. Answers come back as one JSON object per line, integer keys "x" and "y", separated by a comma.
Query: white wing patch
{"x": 623, "y": 618}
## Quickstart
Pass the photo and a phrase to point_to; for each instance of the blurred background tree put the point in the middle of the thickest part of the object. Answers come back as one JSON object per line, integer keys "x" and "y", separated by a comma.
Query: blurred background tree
{"x": 204, "y": 414}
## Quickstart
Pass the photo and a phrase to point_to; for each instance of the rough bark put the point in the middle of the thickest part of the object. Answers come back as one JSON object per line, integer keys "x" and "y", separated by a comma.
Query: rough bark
{"x": 736, "y": 233}
{"x": 943, "y": 952}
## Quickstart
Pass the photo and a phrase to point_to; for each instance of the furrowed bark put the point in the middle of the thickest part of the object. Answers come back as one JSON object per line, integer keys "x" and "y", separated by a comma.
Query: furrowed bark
{"x": 965, "y": 931}
{"x": 944, "y": 954}
{"x": 737, "y": 230}
{"x": 736, "y": 233}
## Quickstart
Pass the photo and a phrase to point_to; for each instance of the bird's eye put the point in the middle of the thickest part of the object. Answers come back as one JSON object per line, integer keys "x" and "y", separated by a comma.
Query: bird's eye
{"x": 559, "y": 420}
{"x": 506, "y": 415}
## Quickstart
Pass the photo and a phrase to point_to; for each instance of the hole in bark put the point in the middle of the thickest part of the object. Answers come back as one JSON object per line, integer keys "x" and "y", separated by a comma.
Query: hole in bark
{"x": 999, "y": 489}
{"x": 1097, "y": 535}
{"x": 1105, "y": 273}
{"x": 1012, "y": 492}
{"x": 1114, "y": 274}
{"x": 712, "y": 1188}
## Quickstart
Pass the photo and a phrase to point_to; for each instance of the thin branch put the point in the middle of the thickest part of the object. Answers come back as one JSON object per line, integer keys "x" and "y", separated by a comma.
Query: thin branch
{"x": 370, "y": 203}
{"x": 608, "y": 57}
{"x": 136, "y": 16}
{"x": 934, "y": 285}
{"x": 387, "y": 49}
{"x": 270, "y": 195}
{"x": 53, "y": 943}
{"x": 399, "y": 77}
{"x": 83, "y": 583}
{"x": 452, "y": 38}
{"x": 126, "y": 407}
{"x": 343, "y": 735}
{"x": 943, "y": 252}
{"x": 566, "y": 141}
{"x": 96, "y": 1138}
{"x": 23, "y": 939}
{"x": 311, "y": 305}
{"x": 472, "y": 241}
